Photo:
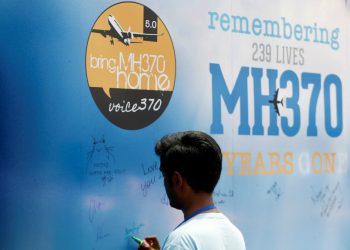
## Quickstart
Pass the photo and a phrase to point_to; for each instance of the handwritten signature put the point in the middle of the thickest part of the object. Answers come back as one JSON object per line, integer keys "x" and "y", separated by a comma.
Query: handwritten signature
{"x": 275, "y": 191}
{"x": 133, "y": 230}
{"x": 95, "y": 206}
{"x": 220, "y": 196}
{"x": 330, "y": 199}
{"x": 100, "y": 233}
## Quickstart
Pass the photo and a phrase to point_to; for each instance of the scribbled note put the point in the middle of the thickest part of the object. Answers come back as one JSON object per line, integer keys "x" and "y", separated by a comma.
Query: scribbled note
{"x": 164, "y": 200}
{"x": 101, "y": 162}
{"x": 152, "y": 176}
{"x": 96, "y": 217}
{"x": 101, "y": 233}
{"x": 221, "y": 197}
{"x": 133, "y": 230}
{"x": 329, "y": 199}
{"x": 275, "y": 191}
{"x": 95, "y": 206}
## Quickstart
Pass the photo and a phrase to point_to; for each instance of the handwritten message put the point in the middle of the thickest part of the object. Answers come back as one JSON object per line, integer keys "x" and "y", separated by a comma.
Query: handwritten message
{"x": 100, "y": 232}
{"x": 95, "y": 206}
{"x": 329, "y": 199}
{"x": 152, "y": 176}
{"x": 275, "y": 191}
{"x": 133, "y": 230}
{"x": 220, "y": 196}
{"x": 97, "y": 223}
{"x": 102, "y": 162}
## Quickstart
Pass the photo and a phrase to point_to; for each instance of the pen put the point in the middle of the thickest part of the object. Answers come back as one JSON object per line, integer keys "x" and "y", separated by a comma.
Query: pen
{"x": 137, "y": 240}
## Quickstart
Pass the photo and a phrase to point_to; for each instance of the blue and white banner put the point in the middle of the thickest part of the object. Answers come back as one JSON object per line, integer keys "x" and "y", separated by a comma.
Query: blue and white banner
{"x": 87, "y": 88}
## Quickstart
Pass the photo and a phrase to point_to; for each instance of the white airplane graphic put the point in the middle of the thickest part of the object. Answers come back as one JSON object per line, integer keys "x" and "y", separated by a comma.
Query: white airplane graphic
{"x": 117, "y": 31}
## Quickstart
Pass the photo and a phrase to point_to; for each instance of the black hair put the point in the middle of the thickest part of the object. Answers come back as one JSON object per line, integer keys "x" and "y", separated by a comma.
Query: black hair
{"x": 195, "y": 155}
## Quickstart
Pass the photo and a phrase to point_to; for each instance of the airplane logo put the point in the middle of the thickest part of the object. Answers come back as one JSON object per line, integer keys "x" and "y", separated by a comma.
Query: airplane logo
{"x": 275, "y": 102}
{"x": 116, "y": 31}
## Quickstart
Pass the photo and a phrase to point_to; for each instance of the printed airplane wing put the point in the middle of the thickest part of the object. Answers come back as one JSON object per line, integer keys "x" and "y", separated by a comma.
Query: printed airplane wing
{"x": 104, "y": 33}
{"x": 135, "y": 34}
{"x": 275, "y": 104}
{"x": 276, "y": 95}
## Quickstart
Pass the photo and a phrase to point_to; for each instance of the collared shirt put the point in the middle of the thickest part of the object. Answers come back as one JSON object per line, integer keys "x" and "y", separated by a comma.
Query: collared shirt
{"x": 205, "y": 231}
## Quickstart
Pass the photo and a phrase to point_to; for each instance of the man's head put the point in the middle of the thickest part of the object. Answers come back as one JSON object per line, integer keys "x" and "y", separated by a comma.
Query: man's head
{"x": 194, "y": 155}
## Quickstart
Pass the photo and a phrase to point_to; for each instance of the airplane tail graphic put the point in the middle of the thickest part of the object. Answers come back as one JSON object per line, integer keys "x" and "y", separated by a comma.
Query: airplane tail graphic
{"x": 126, "y": 37}
{"x": 282, "y": 102}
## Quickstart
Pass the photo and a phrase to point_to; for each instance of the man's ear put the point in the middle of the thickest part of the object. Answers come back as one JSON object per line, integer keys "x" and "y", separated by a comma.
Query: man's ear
{"x": 177, "y": 179}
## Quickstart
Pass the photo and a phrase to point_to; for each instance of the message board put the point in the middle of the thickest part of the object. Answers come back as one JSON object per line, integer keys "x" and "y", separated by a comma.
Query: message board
{"x": 87, "y": 89}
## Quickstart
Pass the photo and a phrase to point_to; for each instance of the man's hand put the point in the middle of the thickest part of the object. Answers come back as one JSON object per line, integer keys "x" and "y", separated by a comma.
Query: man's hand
{"x": 149, "y": 243}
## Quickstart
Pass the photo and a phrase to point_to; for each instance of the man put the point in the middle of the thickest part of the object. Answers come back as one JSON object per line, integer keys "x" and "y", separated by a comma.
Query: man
{"x": 191, "y": 166}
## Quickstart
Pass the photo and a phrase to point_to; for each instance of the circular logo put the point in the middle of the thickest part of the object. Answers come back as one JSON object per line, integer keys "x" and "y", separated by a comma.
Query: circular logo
{"x": 130, "y": 65}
